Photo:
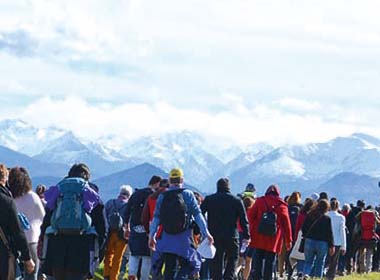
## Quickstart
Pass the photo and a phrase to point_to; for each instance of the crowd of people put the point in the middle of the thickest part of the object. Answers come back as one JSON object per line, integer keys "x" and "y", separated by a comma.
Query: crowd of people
{"x": 65, "y": 231}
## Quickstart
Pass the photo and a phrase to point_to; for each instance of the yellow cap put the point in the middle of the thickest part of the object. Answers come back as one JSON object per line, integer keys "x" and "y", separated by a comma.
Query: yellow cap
{"x": 176, "y": 173}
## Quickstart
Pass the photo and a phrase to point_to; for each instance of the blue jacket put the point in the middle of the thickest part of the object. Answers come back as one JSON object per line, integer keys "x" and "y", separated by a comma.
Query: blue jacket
{"x": 179, "y": 244}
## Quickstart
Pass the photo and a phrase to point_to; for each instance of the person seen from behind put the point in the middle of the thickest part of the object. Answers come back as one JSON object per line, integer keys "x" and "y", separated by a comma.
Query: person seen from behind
{"x": 138, "y": 237}
{"x": 367, "y": 220}
{"x": 224, "y": 211}
{"x": 175, "y": 210}
{"x": 338, "y": 223}
{"x": 116, "y": 242}
{"x": 71, "y": 240}
{"x": 12, "y": 236}
{"x": 269, "y": 226}
{"x": 30, "y": 208}
{"x": 319, "y": 241}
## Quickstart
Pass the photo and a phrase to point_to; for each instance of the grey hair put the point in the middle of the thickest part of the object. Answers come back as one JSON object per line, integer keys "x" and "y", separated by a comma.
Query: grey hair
{"x": 126, "y": 190}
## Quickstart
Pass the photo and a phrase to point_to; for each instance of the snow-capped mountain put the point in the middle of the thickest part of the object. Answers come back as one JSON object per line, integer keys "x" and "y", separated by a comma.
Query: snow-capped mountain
{"x": 69, "y": 149}
{"x": 309, "y": 165}
{"x": 184, "y": 149}
{"x": 25, "y": 138}
{"x": 249, "y": 155}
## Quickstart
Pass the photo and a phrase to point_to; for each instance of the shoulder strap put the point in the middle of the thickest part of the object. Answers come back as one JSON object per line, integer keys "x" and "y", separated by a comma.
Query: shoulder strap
{"x": 313, "y": 224}
{"x": 4, "y": 239}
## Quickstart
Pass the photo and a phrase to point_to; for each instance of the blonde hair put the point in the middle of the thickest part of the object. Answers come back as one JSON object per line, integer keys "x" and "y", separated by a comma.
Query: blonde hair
{"x": 3, "y": 172}
{"x": 294, "y": 198}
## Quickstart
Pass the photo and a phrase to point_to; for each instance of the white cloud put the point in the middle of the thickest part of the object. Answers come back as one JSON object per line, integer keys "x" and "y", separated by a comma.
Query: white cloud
{"x": 257, "y": 124}
{"x": 282, "y": 71}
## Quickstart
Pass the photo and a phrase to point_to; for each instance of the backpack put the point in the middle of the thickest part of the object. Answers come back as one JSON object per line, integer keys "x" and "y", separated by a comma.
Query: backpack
{"x": 69, "y": 217}
{"x": 367, "y": 223}
{"x": 268, "y": 222}
{"x": 173, "y": 212}
{"x": 138, "y": 200}
{"x": 115, "y": 219}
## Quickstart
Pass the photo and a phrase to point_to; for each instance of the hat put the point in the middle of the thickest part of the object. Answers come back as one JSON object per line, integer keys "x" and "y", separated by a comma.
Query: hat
{"x": 206, "y": 249}
{"x": 250, "y": 187}
{"x": 176, "y": 173}
{"x": 314, "y": 196}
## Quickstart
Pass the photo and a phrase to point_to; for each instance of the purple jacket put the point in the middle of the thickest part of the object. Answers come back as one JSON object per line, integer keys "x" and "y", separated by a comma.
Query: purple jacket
{"x": 90, "y": 198}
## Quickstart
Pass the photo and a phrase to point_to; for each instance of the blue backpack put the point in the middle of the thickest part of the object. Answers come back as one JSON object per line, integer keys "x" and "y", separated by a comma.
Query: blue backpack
{"x": 69, "y": 217}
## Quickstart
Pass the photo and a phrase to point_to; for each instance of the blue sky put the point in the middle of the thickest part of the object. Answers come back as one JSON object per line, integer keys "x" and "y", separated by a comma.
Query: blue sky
{"x": 246, "y": 71}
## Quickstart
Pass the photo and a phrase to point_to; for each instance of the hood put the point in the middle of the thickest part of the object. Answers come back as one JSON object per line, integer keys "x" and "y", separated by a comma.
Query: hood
{"x": 273, "y": 190}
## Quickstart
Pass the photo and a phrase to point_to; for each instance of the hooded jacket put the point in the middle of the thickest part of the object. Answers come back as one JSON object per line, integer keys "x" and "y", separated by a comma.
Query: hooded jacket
{"x": 270, "y": 243}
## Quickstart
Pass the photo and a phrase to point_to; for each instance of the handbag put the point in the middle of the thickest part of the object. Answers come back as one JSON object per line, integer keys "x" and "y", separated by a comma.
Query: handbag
{"x": 301, "y": 249}
{"x": 295, "y": 253}
{"x": 11, "y": 273}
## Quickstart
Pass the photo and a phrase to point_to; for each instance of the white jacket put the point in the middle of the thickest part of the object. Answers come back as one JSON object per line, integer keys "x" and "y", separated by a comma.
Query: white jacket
{"x": 338, "y": 224}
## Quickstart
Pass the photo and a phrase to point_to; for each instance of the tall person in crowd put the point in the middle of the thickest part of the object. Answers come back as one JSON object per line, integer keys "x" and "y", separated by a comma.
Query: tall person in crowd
{"x": 270, "y": 227}
{"x": 12, "y": 236}
{"x": 30, "y": 207}
{"x": 224, "y": 211}
{"x": 338, "y": 223}
{"x": 319, "y": 241}
{"x": 116, "y": 243}
{"x": 138, "y": 237}
{"x": 72, "y": 239}
{"x": 175, "y": 210}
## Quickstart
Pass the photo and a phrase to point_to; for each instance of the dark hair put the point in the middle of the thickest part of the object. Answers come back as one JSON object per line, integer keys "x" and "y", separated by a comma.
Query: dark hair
{"x": 323, "y": 195}
{"x": 40, "y": 189}
{"x": 334, "y": 204}
{"x": 164, "y": 183}
{"x": 360, "y": 203}
{"x": 308, "y": 205}
{"x": 79, "y": 170}
{"x": 223, "y": 184}
{"x": 320, "y": 209}
{"x": 19, "y": 181}
{"x": 154, "y": 180}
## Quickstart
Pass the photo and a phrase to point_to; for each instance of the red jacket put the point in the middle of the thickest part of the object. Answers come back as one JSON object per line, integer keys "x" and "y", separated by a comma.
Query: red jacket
{"x": 149, "y": 207}
{"x": 300, "y": 220}
{"x": 270, "y": 243}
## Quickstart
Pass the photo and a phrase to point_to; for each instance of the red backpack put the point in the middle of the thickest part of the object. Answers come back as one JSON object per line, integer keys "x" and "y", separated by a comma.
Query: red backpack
{"x": 368, "y": 223}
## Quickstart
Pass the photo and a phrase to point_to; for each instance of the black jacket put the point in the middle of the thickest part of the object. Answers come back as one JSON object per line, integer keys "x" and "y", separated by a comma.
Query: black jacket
{"x": 320, "y": 230}
{"x": 224, "y": 210}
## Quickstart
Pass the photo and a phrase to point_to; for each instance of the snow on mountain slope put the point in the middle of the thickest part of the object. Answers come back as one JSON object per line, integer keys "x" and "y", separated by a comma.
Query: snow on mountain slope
{"x": 184, "y": 149}
{"x": 25, "y": 138}
{"x": 68, "y": 149}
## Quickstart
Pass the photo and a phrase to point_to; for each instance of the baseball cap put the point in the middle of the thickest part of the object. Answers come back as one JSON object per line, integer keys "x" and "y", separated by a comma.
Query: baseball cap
{"x": 176, "y": 173}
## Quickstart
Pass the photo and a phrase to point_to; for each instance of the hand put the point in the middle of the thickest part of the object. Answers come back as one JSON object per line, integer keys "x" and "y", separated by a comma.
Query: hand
{"x": 127, "y": 233}
{"x": 343, "y": 252}
{"x": 29, "y": 266}
{"x": 247, "y": 241}
{"x": 288, "y": 246}
{"x": 152, "y": 243}
{"x": 332, "y": 251}
{"x": 210, "y": 239}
